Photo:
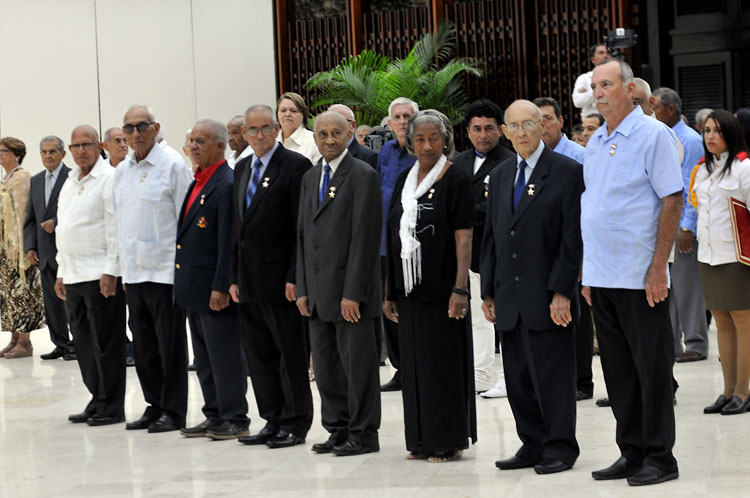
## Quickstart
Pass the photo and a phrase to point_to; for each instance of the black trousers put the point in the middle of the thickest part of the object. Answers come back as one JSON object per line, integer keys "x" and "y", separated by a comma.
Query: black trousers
{"x": 346, "y": 370}
{"x": 160, "y": 346}
{"x": 98, "y": 326}
{"x": 540, "y": 378}
{"x": 277, "y": 357}
{"x": 220, "y": 364}
{"x": 55, "y": 311}
{"x": 584, "y": 331}
{"x": 635, "y": 344}
{"x": 391, "y": 329}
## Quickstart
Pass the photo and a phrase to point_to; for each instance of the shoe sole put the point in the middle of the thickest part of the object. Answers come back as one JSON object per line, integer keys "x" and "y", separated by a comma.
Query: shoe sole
{"x": 666, "y": 478}
{"x": 224, "y": 437}
{"x": 193, "y": 434}
{"x": 274, "y": 446}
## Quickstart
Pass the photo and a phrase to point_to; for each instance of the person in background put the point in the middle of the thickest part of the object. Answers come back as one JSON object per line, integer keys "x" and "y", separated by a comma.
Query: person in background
{"x": 700, "y": 117}
{"x": 724, "y": 175}
{"x": 237, "y": 142}
{"x": 743, "y": 116}
{"x": 583, "y": 97}
{"x": 590, "y": 124}
{"x": 553, "y": 136}
{"x": 361, "y": 132}
{"x": 292, "y": 114}
{"x": 116, "y": 144}
{"x": 358, "y": 151}
{"x": 576, "y": 134}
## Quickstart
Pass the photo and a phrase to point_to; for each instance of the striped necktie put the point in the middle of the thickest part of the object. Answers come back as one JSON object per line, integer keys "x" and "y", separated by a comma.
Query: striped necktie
{"x": 252, "y": 185}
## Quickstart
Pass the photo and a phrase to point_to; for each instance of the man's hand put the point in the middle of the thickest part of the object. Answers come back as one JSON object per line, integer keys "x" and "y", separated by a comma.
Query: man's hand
{"x": 586, "y": 293}
{"x": 107, "y": 285}
{"x": 656, "y": 285}
{"x": 234, "y": 291}
{"x": 291, "y": 292}
{"x": 302, "y": 306}
{"x": 218, "y": 300}
{"x": 559, "y": 310}
{"x": 488, "y": 307}
{"x": 32, "y": 256}
{"x": 48, "y": 226}
{"x": 60, "y": 289}
{"x": 350, "y": 310}
{"x": 685, "y": 241}
{"x": 390, "y": 310}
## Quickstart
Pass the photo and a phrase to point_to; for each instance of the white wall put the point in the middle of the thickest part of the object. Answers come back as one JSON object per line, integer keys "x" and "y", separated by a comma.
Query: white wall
{"x": 67, "y": 62}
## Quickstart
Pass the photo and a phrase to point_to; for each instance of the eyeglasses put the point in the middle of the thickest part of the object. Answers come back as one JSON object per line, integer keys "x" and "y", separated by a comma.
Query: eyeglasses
{"x": 265, "y": 130}
{"x": 84, "y": 145}
{"x": 141, "y": 127}
{"x": 526, "y": 125}
{"x": 4, "y": 150}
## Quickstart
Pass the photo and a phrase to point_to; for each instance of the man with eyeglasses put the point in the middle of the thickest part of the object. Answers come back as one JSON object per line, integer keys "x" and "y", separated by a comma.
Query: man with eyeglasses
{"x": 88, "y": 279}
{"x": 150, "y": 186}
{"x": 531, "y": 253}
{"x": 264, "y": 281}
{"x": 355, "y": 148}
{"x": 116, "y": 145}
{"x": 39, "y": 241}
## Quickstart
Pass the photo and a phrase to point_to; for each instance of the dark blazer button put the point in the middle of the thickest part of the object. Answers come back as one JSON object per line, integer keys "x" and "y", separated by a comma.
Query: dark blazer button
{"x": 517, "y": 278}
{"x": 514, "y": 256}
{"x": 512, "y": 233}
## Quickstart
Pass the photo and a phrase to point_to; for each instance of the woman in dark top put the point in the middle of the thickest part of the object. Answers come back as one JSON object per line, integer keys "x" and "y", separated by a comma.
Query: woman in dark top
{"x": 429, "y": 229}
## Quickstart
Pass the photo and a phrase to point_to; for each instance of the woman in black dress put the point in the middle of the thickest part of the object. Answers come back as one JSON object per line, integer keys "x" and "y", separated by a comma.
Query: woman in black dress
{"x": 429, "y": 230}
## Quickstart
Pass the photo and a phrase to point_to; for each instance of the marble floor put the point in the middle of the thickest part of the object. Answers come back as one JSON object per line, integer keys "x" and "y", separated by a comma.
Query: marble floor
{"x": 43, "y": 455}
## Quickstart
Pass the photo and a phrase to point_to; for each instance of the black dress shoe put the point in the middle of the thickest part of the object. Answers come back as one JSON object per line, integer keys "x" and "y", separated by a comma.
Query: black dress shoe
{"x": 142, "y": 423}
{"x": 284, "y": 439}
{"x": 602, "y": 402}
{"x": 261, "y": 437}
{"x": 717, "y": 405}
{"x": 735, "y": 406}
{"x": 689, "y": 356}
{"x": 621, "y": 469}
{"x": 70, "y": 356}
{"x": 80, "y": 418}
{"x": 652, "y": 475}
{"x": 97, "y": 420}
{"x": 351, "y": 447}
{"x": 165, "y": 423}
{"x": 130, "y": 361}
{"x": 515, "y": 462}
{"x": 197, "y": 431}
{"x": 582, "y": 395}
{"x": 335, "y": 439}
{"x": 392, "y": 385}
{"x": 54, "y": 354}
{"x": 551, "y": 466}
{"x": 191, "y": 367}
{"x": 227, "y": 430}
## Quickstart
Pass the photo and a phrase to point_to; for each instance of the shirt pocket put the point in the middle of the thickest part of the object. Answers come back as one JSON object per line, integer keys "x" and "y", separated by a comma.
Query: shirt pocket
{"x": 627, "y": 167}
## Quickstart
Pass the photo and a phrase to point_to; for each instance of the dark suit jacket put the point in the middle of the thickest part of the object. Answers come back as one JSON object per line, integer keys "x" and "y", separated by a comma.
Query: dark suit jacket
{"x": 363, "y": 154}
{"x": 338, "y": 242}
{"x": 34, "y": 237}
{"x": 264, "y": 256}
{"x": 204, "y": 243}
{"x": 530, "y": 255}
{"x": 465, "y": 162}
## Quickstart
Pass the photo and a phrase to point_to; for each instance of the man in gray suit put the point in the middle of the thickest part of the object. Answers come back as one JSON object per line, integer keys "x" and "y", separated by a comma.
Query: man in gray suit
{"x": 39, "y": 241}
{"x": 338, "y": 287}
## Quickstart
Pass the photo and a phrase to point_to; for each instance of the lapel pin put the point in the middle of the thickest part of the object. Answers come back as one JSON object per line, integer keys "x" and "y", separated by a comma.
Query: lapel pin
{"x": 432, "y": 192}
{"x": 265, "y": 182}
{"x": 143, "y": 177}
{"x": 486, "y": 190}
{"x": 530, "y": 189}
{"x": 612, "y": 149}
{"x": 80, "y": 190}
{"x": 202, "y": 222}
{"x": 332, "y": 192}
{"x": 203, "y": 198}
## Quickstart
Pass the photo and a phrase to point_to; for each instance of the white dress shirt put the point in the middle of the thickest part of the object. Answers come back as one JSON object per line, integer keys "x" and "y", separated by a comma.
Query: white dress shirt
{"x": 233, "y": 159}
{"x": 334, "y": 166}
{"x": 301, "y": 141}
{"x": 86, "y": 227}
{"x": 583, "y": 95}
{"x": 715, "y": 236}
{"x": 530, "y": 162}
{"x": 148, "y": 197}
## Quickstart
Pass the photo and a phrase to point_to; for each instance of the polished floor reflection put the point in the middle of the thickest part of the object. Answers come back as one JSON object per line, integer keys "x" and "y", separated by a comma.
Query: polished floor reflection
{"x": 42, "y": 454}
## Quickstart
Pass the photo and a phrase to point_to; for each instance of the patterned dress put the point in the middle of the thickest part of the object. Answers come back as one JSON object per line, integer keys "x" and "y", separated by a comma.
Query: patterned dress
{"x": 21, "y": 306}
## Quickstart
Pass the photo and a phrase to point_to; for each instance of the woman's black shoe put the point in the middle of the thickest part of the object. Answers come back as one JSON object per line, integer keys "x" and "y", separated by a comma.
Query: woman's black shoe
{"x": 736, "y": 406}
{"x": 717, "y": 405}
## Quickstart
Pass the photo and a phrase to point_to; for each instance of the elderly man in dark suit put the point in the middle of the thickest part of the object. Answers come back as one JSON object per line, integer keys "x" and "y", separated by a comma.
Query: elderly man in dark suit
{"x": 356, "y": 149}
{"x": 39, "y": 241}
{"x": 201, "y": 286}
{"x": 338, "y": 286}
{"x": 531, "y": 255}
{"x": 483, "y": 119}
{"x": 264, "y": 264}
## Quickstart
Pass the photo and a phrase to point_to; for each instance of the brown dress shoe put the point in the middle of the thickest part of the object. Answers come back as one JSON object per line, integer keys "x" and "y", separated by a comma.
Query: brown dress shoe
{"x": 689, "y": 356}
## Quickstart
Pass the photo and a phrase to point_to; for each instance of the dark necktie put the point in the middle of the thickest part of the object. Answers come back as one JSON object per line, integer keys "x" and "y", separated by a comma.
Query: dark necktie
{"x": 324, "y": 185}
{"x": 480, "y": 155}
{"x": 520, "y": 184}
{"x": 252, "y": 185}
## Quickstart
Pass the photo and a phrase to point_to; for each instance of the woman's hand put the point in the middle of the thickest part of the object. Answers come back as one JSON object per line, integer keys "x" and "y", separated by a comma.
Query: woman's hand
{"x": 390, "y": 310}
{"x": 458, "y": 306}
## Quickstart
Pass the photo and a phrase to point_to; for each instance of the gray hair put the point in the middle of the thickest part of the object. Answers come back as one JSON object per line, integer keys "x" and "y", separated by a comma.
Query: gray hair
{"x": 643, "y": 84}
{"x": 261, "y": 107}
{"x": 341, "y": 107}
{"x": 234, "y": 118}
{"x": 702, "y": 114}
{"x": 625, "y": 70}
{"x": 218, "y": 130}
{"x": 53, "y": 138}
{"x": 108, "y": 133}
{"x": 149, "y": 111}
{"x": 669, "y": 97}
{"x": 401, "y": 101}
{"x": 530, "y": 106}
{"x": 437, "y": 119}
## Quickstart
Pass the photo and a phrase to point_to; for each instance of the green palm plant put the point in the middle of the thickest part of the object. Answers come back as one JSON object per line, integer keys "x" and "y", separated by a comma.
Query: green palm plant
{"x": 430, "y": 75}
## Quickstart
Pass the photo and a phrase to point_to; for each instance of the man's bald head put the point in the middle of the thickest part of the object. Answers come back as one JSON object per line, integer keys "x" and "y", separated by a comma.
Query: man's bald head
{"x": 85, "y": 147}
{"x": 347, "y": 113}
{"x": 330, "y": 116}
{"x": 332, "y": 134}
{"x": 86, "y": 130}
